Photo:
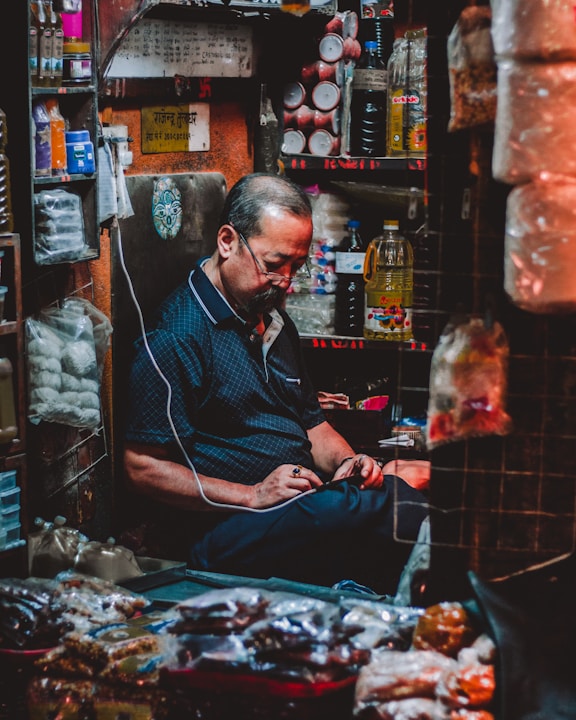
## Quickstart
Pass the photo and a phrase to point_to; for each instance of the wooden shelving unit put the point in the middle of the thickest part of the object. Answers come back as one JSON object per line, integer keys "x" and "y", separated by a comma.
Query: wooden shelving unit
{"x": 12, "y": 454}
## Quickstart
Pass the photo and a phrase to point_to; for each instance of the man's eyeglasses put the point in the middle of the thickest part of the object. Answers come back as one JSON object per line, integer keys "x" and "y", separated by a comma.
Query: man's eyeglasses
{"x": 274, "y": 277}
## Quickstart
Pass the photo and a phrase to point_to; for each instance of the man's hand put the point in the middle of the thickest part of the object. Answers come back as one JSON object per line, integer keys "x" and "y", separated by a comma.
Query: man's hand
{"x": 283, "y": 483}
{"x": 361, "y": 465}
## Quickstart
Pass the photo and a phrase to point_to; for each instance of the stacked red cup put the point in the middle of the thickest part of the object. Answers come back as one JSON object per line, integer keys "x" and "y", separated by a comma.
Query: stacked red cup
{"x": 313, "y": 103}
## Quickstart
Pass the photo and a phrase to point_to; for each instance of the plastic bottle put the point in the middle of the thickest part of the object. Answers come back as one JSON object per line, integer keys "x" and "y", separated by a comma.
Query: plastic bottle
{"x": 368, "y": 104}
{"x": 57, "y": 137}
{"x": 417, "y": 93}
{"x": 397, "y": 120}
{"x": 44, "y": 43}
{"x": 349, "y": 302}
{"x": 6, "y": 216}
{"x": 42, "y": 140}
{"x": 33, "y": 44}
{"x": 3, "y": 131}
{"x": 388, "y": 272}
{"x": 377, "y": 23}
{"x": 57, "y": 46}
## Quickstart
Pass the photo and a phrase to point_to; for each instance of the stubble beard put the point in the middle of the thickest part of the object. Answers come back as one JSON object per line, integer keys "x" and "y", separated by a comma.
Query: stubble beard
{"x": 264, "y": 301}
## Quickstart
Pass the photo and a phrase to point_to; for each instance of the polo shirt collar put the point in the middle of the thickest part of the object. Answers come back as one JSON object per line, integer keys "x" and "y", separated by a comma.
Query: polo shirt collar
{"x": 215, "y": 305}
{"x": 211, "y": 300}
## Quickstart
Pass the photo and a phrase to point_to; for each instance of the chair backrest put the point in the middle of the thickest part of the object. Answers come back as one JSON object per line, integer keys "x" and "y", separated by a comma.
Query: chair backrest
{"x": 153, "y": 254}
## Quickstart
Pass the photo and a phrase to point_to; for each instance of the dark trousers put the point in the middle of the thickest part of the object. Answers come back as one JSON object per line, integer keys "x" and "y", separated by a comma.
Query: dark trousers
{"x": 338, "y": 534}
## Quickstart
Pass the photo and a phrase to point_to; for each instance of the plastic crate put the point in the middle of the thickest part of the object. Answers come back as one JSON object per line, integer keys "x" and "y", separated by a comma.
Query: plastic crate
{"x": 10, "y": 518}
{"x": 10, "y": 499}
{"x": 7, "y": 480}
{"x": 13, "y": 535}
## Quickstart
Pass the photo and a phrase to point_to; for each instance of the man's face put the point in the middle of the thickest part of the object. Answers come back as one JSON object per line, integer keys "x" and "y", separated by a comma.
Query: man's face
{"x": 258, "y": 272}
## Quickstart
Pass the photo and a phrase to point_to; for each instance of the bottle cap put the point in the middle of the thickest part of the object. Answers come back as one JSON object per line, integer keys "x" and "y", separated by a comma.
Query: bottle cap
{"x": 391, "y": 224}
{"x": 354, "y": 224}
{"x": 371, "y": 45}
{"x": 71, "y": 48}
{"x": 77, "y": 136}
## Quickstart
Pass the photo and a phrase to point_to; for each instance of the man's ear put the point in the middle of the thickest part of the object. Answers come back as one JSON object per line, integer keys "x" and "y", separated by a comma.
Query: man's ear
{"x": 225, "y": 240}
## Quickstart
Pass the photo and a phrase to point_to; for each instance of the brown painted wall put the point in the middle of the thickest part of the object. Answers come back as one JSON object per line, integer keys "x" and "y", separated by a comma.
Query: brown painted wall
{"x": 230, "y": 144}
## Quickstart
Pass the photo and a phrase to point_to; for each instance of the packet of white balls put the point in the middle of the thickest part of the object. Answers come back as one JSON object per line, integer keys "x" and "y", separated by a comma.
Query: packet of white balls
{"x": 63, "y": 377}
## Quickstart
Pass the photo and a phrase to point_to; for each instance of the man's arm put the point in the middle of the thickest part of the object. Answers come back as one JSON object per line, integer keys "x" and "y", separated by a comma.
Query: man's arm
{"x": 333, "y": 454}
{"x": 329, "y": 449}
{"x": 151, "y": 473}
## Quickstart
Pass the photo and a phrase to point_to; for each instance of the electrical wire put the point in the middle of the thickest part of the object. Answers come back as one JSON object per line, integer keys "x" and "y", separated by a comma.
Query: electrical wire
{"x": 165, "y": 380}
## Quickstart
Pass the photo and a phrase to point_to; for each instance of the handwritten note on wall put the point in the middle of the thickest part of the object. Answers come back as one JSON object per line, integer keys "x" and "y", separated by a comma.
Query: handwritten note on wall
{"x": 164, "y": 48}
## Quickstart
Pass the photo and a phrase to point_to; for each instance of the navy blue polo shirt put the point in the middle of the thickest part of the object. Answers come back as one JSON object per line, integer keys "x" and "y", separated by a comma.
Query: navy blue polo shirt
{"x": 240, "y": 407}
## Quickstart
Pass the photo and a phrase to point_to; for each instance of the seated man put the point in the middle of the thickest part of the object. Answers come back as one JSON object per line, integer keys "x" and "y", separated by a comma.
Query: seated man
{"x": 223, "y": 422}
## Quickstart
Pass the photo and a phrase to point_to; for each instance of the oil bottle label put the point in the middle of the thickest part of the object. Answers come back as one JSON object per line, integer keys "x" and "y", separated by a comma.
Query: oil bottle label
{"x": 416, "y": 123}
{"x": 390, "y": 316}
{"x": 350, "y": 263}
{"x": 396, "y": 110}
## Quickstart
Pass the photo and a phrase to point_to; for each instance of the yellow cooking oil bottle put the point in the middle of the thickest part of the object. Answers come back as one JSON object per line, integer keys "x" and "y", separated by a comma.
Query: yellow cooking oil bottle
{"x": 388, "y": 273}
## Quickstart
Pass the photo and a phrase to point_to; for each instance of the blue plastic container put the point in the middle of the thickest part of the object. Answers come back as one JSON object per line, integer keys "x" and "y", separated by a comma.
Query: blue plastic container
{"x": 79, "y": 152}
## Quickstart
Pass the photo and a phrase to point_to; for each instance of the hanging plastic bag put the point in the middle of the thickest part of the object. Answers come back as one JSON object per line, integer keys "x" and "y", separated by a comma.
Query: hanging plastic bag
{"x": 63, "y": 380}
{"x": 472, "y": 70}
{"x": 534, "y": 127}
{"x": 101, "y": 327}
{"x": 540, "y": 245}
{"x": 534, "y": 29}
{"x": 468, "y": 383}
{"x": 60, "y": 233}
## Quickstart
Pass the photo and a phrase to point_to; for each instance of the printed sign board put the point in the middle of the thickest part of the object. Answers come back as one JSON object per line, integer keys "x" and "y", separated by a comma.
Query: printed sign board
{"x": 176, "y": 128}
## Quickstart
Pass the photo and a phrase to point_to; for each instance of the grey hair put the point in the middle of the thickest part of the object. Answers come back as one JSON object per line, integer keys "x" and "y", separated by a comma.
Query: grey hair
{"x": 248, "y": 199}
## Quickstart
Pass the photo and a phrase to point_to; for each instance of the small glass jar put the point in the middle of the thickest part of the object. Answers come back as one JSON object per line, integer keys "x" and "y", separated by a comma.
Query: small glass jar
{"x": 77, "y": 64}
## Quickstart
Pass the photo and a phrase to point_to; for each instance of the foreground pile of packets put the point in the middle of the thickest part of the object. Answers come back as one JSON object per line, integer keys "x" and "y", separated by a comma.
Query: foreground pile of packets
{"x": 113, "y": 656}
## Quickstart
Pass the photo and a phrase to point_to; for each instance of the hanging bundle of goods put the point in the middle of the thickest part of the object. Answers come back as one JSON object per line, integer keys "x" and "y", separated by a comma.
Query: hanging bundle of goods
{"x": 535, "y": 46}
